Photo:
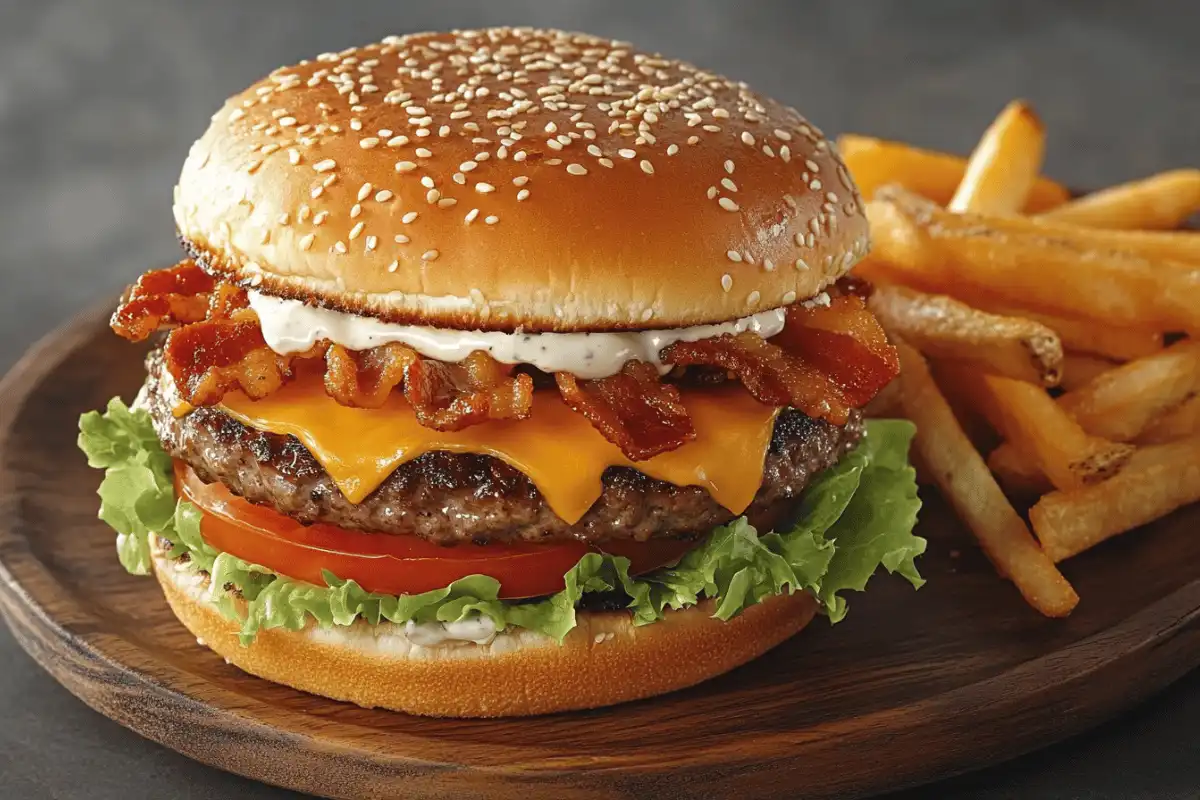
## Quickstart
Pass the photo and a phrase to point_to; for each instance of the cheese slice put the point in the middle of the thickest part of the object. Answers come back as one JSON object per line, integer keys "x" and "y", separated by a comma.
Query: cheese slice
{"x": 559, "y": 450}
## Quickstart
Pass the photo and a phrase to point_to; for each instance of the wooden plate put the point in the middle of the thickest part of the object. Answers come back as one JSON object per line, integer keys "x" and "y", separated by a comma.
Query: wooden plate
{"x": 913, "y": 686}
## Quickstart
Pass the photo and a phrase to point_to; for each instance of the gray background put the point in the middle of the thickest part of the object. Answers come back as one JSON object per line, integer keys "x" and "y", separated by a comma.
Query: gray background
{"x": 100, "y": 100}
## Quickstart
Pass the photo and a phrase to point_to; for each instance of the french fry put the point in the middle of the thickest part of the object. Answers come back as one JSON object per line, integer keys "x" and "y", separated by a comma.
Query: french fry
{"x": 1001, "y": 171}
{"x": 968, "y": 254}
{"x": 969, "y": 487}
{"x": 944, "y": 328}
{"x": 1181, "y": 423}
{"x": 1030, "y": 419}
{"x": 1123, "y": 402}
{"x": 1018, "y": 474}
{"x": 1080, "y": 369}
{"x": 1160, "y": 202}
{"x": 1181, "y": 248}
{"x": 878, "y": 162}
{"x": 1155, "y": 482}
{"x": 1080, "y": 335}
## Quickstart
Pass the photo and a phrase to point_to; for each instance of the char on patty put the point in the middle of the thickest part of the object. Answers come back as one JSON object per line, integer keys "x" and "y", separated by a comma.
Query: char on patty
{"x": 458, "y": 497}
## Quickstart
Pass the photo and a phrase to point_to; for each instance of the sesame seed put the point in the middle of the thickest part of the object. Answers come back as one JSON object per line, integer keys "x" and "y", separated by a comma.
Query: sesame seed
{"x": 364, "y": 192}
{"x": 383, "y": 195}
{"x": 447, "y": 202}
{"x": 728, "y": 184}
{"x": 492, "y": 220}
{"x": 729, "y": 166}
{"x": 593, "y": 150}
{"x": 605, "y": 162}
{"x": 647, "y": 167}
{"x": 320, "y": 217}
{"x": 423, "y": 152}
{"x": 306, "y": 241}
{"x": 432, "y": 196}
{"x": 392, "y": 267}
{"x": 293, "y": 156}
{"x": 324, "y": 165}
{"x": 523, "y": 194}
{"x": 400, "y": 238}
{"x": 287, "y": 122}
{"x": 236, "y": 114}
{"x": 520, "y": 180}
{"x": 811, "y": 165}
{"x": 283, "y": 218}
{"x": 815, "y": 185}
{"x": 728, "y": 204}
{"x": 781, "y": 134}
{"x": 427, "y": 182}
{"x": 726, "y": 282}
{"x": 711, "y": 193}
{"x": 429, "y": 255}
{"x": 576, "y": 169}
{"x": 471, "y": 215}
{"x": 467, "y": 166}
{"x": 625, "y": 152}
{"x": 368, "y": 143}
{"x": 747, "y": 138}
{"x": 356, "y": 231}
{"x": 372, "y": 242}
{"x": 339, "y": 247}
{"x": 768, "y": 265}
{"x": 801, "y": 265}
{"x": 409, "y": 217}
{"x": 693, "y": 140}
{"x": 753, "y": 298}
{"x": 672, "y": 149}
{"x": 397, "y": 141}
{"x": 405, "y": 166}
{"x": 734, "y": 255}
{"x": 785, "y": 153}
{"x": 484, "y": 188}
{"x": 316, "y": 192}
{"x": 355, "y": 210}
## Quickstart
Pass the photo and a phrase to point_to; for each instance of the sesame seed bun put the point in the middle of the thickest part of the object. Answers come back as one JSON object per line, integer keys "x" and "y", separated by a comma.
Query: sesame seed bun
{"x": 509, "y": 178}
{"x": 517, "y": 674}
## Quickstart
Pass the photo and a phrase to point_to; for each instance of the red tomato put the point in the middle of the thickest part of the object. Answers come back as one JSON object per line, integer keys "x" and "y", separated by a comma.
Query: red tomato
{"x": 386, "y": 563}
{"x": 845, "y": 341}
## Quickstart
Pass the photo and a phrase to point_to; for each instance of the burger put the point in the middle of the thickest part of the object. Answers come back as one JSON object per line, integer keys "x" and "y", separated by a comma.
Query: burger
{"x": 508, "y": 371}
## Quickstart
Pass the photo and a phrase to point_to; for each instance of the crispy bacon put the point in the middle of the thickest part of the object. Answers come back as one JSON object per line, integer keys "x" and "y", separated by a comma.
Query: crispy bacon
{"x": 633, "y": 409}
{"x": 450, "y": 397}
{"x": 768, "y": 372}
{"x": 210, "y": 358}
{"x": 845, "y": 341}
{"x": 178, "y": 294}
{"x": 446, "y": 397}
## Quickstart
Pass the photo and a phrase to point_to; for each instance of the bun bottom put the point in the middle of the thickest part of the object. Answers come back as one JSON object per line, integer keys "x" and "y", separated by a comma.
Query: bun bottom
{"x": 604, "y": 660}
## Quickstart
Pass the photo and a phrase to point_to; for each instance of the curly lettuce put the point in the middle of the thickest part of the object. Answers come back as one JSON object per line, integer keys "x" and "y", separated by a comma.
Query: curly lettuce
{"x": 854, "y": 518}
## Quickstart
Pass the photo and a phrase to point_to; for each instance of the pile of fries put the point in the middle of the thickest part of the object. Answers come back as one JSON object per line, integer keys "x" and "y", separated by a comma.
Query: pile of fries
{"x": 1050, "y": 346}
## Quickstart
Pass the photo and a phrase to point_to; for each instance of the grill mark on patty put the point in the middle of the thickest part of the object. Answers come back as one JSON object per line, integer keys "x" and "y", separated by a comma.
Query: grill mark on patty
{"x": 457, "y": 497}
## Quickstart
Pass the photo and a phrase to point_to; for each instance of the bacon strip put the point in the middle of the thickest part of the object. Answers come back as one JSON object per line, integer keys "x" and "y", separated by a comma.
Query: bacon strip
{"x": 210, "y": 358}
{"x": 450, "y": 397}
{"x": 633, "y": 409}
{"x": 768, "y": 372}
{"x": 177, "y": 294}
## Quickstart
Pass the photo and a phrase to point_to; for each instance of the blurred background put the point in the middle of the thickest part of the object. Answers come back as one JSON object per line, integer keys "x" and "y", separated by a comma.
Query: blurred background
{"x": 100, "y": 100}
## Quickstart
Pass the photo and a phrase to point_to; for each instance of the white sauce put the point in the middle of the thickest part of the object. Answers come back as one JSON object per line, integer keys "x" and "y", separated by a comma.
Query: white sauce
{"x": 479, "y": 629}
{"x": 290, "y": 326}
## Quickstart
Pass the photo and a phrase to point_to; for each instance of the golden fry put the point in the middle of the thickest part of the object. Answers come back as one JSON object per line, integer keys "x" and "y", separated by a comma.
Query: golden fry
{"x": 1079, "y": 335}
{"x": 1155, "y": 482}
{"x": 1178, "y": 248}
{"x": 1017, "y": 473}
{"x": 969, "y": 487}
{"x": 1181, "y": 423}
{"x": 1160, "y": 202}
{"x": 1001, "y": 172}
{"x": 1080, "y": 369}
{"x": 878, "y": 162}
{"x": 944, "y": 328}
{"x": 1035, "y": 424}
{"x": 1123, "y": 402}
{"x": 968, "y": 254}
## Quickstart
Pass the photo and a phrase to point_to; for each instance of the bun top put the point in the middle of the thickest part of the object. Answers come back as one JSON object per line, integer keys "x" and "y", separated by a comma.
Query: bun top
{"x": 514, "y": 178}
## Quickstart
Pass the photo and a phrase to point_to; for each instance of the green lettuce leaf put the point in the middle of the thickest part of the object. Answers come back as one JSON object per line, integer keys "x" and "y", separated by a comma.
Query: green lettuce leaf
{"x": 853, "y": 518}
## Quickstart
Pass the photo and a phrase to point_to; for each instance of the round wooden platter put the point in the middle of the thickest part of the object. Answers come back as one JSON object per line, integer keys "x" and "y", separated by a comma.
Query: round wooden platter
{"x": 913, "y": 686}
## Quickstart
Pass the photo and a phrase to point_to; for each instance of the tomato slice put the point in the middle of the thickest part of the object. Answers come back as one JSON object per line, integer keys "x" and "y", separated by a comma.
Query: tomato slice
{"x": 845, "y": 341}
{"x": 391, "y": 564}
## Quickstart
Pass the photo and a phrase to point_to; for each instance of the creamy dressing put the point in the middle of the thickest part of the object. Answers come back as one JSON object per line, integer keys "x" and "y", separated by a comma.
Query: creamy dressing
{"x": 478, "y": 629}
{"x": 290, "y": 326}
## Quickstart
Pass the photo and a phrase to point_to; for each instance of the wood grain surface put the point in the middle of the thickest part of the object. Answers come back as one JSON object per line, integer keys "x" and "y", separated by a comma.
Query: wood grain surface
{"x": 911, "y": 687}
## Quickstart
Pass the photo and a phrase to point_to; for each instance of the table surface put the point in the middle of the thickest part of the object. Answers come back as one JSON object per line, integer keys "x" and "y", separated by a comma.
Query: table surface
{"x": 99, "y": 102}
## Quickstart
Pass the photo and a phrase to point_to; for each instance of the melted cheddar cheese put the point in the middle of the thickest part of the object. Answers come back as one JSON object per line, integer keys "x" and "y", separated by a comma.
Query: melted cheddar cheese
{"x": 559, "y": 450}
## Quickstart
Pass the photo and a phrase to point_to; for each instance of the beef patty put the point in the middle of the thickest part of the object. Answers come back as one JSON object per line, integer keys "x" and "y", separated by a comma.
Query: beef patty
{"x": 451, "y": 497}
